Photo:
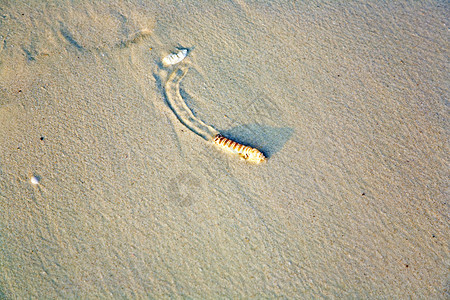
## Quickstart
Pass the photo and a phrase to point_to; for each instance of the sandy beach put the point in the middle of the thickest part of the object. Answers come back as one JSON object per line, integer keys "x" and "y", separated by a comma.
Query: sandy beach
{"x": 348, "y": 100}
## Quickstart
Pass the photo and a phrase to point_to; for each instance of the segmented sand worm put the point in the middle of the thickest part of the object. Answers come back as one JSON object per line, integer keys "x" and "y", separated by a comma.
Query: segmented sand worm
{"x": 246, "y": 152}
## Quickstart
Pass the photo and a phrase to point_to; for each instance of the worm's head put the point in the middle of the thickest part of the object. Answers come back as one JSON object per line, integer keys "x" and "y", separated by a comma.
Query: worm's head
{"x": 256, "y": 156}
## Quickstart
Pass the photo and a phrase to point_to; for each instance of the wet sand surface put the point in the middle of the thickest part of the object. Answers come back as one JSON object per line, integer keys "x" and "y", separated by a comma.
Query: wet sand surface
{"x": 348, "y": 100}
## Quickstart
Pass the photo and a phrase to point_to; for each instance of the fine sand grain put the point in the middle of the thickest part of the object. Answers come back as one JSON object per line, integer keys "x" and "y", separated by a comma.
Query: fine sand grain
{"x": 349, "y": 101}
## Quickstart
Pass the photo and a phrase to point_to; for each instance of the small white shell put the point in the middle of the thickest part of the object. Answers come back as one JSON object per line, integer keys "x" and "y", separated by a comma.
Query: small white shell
{"x": 173, "y": 58}
{"x": 34, "y": 180}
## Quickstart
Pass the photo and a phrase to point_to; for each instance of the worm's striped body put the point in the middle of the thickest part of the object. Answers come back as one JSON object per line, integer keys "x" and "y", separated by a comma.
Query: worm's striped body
{"x": 246, "y": 152}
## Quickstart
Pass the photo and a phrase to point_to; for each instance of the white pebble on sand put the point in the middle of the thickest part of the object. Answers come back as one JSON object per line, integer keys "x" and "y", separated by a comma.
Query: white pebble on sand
{"x": 34, "y": 180}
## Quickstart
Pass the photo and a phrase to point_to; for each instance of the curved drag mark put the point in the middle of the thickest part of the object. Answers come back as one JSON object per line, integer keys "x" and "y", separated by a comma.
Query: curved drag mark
{"x": 134, "y": 38}
{"x": 184, "y": 114}
{"x": 181, "y": 110}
